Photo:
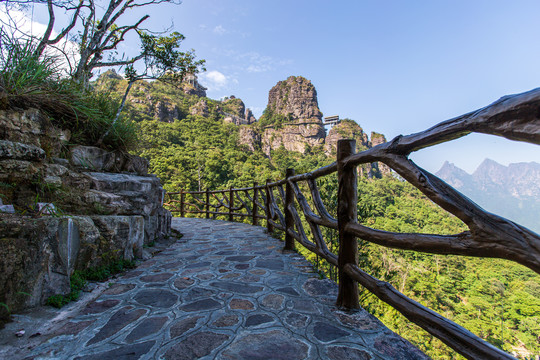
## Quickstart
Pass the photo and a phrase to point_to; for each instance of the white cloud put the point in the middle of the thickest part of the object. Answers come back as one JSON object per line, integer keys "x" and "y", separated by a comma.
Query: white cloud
{"x": 215, "y": 80}
{"x": 258, "y": 68}
{"x": 255, "y": 62}
{"x": 23, "y": 25}
{"x": 220, "y": 30}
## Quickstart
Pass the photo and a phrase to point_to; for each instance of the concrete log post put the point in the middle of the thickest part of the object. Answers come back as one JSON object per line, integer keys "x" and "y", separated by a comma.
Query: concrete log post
{"x": 347, "y": 213}
{"x": 207, "y": 204}
{"x": 254, "y": 205}
{"x": 267, "y": 204}
{"x": 289, "y": 220}
{"x": 231, "y": 204}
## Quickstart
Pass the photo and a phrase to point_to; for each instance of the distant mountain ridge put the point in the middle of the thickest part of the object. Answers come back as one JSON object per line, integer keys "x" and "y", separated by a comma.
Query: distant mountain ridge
{"x": 511, "y": 191}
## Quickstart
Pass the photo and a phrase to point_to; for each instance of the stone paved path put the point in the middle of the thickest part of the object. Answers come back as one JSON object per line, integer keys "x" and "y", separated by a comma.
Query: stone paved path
{"x": 224, "y": 291}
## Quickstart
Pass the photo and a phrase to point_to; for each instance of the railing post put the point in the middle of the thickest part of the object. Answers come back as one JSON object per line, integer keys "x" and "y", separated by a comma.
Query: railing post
{"x": 231, "y": 203}
{"x": 182, "y": 196}
{"x": 347, "y": 213}
{"x": 289, "y": 221}
{"x": 269, "y": 226}
{"x": 254, "y": 205}
{"x": 207, "y": 203}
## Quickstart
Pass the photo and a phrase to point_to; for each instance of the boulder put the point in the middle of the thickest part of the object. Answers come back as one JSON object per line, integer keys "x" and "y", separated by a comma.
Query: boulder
{"x": 19, "y": 171}
{"x": 94, "y": 158}
{"x": 40, "y": 254}
{"x": 124, "y": 236}
{"x": 35, "y": 263}
{"x": 31, "y": 127}
{"x": 20, "y": 151}
{"x": 125, "y": 194}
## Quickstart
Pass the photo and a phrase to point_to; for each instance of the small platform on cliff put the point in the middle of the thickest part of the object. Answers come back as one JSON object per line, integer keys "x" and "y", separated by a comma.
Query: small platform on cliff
{"x": 223, "y": 291}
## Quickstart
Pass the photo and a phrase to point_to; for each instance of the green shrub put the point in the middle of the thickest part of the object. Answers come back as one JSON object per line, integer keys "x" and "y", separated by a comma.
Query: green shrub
{"x": 31, "y": 81}
{"x": 79, "y": 278}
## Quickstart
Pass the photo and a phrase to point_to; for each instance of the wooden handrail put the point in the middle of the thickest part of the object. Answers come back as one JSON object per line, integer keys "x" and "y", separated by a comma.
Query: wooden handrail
{"x": 514, "y": 117}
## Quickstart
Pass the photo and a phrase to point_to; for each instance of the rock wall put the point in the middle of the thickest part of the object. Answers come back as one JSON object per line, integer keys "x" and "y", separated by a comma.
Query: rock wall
{"x": 249, "y": 137}
{"x": 349, "y": 129}
{"x": 235, "y": 111}
{"x": 346, "y": 129}
{"x": 295, "y": 96}
{"x": 294, "y": 137}
{"x": 377, "y": 139}
{"x": 292, "y": 117}
{"x": 67, "y": 207}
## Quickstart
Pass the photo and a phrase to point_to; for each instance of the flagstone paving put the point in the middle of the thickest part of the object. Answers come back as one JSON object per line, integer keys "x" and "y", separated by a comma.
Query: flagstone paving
{"x": 223, "y": 291}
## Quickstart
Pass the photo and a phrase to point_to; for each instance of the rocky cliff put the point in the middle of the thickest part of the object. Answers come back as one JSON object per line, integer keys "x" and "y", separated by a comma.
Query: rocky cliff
{"x": 235, "y": 111}
{"x": 349, "y": 129}
{"x": 511, "y": 191}
{"x": 167, "y": 102}
{"x": 292, "y": 118}
{"x": 65, "y": 207}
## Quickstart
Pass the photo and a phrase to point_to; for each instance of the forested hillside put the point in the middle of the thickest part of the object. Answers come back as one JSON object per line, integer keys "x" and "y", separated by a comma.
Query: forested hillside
{"x": 195, "y": 148}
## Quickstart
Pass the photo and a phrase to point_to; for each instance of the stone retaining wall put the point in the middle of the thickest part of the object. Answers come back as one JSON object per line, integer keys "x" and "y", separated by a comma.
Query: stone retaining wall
{"x": 99, "y": 206}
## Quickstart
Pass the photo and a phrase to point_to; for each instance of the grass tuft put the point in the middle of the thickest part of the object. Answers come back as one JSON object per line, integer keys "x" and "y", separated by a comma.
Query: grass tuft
{"x": 79, "y": 279}
{"x": 31, "y": 81}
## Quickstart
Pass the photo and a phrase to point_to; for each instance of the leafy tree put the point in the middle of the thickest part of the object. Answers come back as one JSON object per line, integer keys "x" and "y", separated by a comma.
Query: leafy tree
{"x": 99, "y": 31}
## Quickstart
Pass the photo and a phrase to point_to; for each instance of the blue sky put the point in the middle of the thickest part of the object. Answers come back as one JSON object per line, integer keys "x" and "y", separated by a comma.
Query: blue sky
{"x": 395, "y": 67}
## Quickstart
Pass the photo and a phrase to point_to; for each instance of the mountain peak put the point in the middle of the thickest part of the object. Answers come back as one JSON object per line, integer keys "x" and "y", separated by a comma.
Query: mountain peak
{"x": 491, "y": 171}
{"x": 488, "y": 164}
{"x": 450, "y": 168}
{"x": 511, "y": 191}
{"x": 453, "y": 175}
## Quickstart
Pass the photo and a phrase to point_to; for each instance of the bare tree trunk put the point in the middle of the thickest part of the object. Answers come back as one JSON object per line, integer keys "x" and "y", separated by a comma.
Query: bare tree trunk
{"x": 118, "y": 112}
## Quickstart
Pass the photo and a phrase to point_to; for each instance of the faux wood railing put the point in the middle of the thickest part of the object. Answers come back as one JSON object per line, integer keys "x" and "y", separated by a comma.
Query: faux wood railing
{"x": 515, "y": 117}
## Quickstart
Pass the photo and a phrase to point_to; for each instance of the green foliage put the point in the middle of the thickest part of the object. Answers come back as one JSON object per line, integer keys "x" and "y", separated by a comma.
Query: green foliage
{"x": 79, "y": 279}
{"x": 496, "y": 299}
{"x": 31, "y": 81}
{"x": 22, "y": 71}
{"x": 270, "y": 118}
{"x": 77, "y": 283}
{"x": 104, "y": 272}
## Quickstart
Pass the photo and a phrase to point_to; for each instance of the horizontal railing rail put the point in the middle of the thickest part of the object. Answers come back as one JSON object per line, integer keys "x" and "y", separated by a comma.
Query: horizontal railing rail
{"x": 282, "y": 204}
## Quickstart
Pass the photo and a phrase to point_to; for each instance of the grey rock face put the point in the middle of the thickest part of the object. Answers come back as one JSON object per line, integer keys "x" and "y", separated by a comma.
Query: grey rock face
{"x": 200, "y": 108}
{"x": 125, "y": 233}
{"x": 296, "y": 99}
{"x": 96, "y": 159}
{"x": 511, "y": 191}
{"x": 166, "y": 112}
{"x": 296, "y": 96}
{"x": 20, "y": 151}
{"x": 40, "y": 255}
{"x": 111, "y": 215}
